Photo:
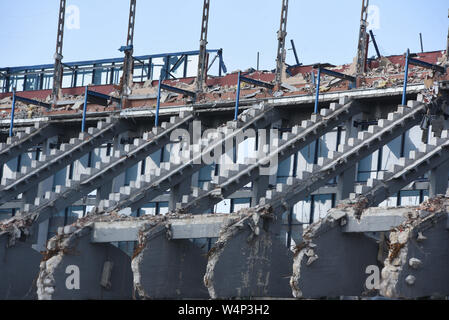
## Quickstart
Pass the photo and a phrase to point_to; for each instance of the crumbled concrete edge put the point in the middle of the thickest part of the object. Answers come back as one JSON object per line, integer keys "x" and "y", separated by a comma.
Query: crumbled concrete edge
{"x": 148, "y": 231}
{"x": 65, "y": 242}
{"x": 305, "y": 250}
{"x": 253, "y": 218}
{"x": 16, "y": 228}
{"x": 62, "y": 244}
{"x": 431, "y": 210}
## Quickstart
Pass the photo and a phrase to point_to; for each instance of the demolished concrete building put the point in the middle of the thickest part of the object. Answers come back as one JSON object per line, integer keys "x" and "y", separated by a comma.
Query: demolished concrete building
{"x": 308, "y": 184}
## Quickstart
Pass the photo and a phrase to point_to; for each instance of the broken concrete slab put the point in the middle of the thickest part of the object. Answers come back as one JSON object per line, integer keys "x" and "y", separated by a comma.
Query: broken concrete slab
{"x": 249, "y": 259}
{"x": 418, "y": 258}
{"x": 376, "y": 220}
{"x": 331, "y": 263}
{"x": 167, "y": 269}
{"x": 178, "y": 227}
{"x": 76, "y": 269}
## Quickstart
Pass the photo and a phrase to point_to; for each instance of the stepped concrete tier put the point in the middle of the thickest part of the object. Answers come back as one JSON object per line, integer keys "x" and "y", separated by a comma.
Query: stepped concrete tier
{"x": 105, "y": 171}
{"x": 24, "y": 140}
{"x": 347, "y": 156}
{"x": 170, "y": 175}
{"x": 237, "y": 176}
{"x": 58, "y": 159}
{"x": 433, "y": 157}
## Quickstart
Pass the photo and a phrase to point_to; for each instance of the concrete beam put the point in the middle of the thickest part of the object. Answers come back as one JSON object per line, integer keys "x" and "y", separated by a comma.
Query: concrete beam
{"x": 376, "y": 220}
{"x": 178, "y": 228}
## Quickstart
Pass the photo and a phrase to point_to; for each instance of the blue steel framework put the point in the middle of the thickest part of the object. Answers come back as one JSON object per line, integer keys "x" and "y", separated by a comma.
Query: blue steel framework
{"x": 105, "y": 71}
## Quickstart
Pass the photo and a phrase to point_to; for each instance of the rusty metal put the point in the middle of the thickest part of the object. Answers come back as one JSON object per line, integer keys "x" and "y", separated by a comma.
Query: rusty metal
{"x": 282, "y": 34}
{"x": 128, "y": 64}
{"x": 362, "y": 42}
{"x": 202, "y": 65}
{"x": 58, "y": 71}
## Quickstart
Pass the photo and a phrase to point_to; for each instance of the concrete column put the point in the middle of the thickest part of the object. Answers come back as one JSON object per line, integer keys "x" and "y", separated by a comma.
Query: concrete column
{"x": 345, "y": 183}
{"x": 178, "y": 191}
{"x": 103, "y": 192}
{"x": 346, "y": 180}
{"x": 44, "y": 186}
{"x": 438, "y": 180}
{"x": 47, "y": 184}
{"x": 260, "y": 186}
{"x": 118, "y": 181}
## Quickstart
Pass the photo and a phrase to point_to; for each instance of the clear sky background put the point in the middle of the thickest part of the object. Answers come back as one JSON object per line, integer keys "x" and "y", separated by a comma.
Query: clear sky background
{"x": 323, "y": 30}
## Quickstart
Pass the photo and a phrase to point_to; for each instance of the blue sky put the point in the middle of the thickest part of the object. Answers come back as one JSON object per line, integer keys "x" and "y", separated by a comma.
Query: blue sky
{"x": 323, "y": 30}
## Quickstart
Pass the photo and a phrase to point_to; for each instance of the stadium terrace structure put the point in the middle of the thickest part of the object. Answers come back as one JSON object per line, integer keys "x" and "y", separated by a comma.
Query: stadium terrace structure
{"x": 151, "y": 178}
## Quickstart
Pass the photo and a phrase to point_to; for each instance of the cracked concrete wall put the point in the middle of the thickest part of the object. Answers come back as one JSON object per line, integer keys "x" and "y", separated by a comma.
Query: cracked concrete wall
{"x": 19, "y": 267}
{"x": 19, "y": 262}
{"x": 168, "y": 269}
{"x": 104, "y": 270}
{"x": 418, "y": 261}
{"x": 249, "y": 259}
{"x": 330, "y": 263}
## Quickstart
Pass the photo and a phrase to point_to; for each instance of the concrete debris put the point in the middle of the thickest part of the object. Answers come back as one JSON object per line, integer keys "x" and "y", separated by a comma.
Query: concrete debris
{"x": 410, "y": 280}
{"x": 414, "y": 263}
{"x": 409, "y": 261}
{"x": 16, "y": 228}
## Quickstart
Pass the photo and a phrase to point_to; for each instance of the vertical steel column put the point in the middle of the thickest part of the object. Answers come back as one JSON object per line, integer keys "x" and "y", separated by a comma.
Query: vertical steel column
{"x": 58, "y": 69}
{"x": 375, "y": 44}
{"x": 128, "y": 64}
{"x": 83, "y": 123}
{"x": 447, "y": 42}
{"x": 237, "y": 98}
{"x": 404, "y": 94}
{"x": 202, "y": 68}
{"x": 420, "y": 41}
{"x": 220, "y": 60}
{"x": 361, "y": 49}
{"x": 282, "y": 34}
{"x": 294, "y": 52}
{"x": 156, "y": 121}
{"x": 13, "y": 109}
{"x": 258, "y": 58}
{"x": 318, "y": 83}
